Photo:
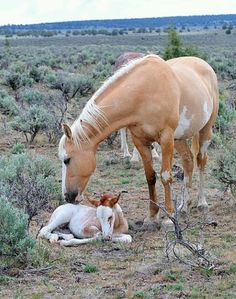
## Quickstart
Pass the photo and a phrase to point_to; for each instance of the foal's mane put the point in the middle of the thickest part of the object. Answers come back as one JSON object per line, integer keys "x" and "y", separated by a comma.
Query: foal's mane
{"x": 94, "y": 115}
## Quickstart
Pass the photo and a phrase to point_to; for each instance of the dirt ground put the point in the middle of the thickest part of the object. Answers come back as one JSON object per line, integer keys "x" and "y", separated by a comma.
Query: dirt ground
{"x": 140, "y": 269}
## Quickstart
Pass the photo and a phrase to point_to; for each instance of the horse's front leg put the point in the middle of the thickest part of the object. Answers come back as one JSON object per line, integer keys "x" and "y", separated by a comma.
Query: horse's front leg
{"x": 145, "y": 151}
{"x": 60, "y": 216}
{"x": 167, "y": 149}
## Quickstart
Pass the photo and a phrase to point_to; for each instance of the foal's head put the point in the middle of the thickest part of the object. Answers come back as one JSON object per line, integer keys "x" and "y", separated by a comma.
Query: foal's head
{"x": 77, "y": 165}
{"x": 105, "y": 213}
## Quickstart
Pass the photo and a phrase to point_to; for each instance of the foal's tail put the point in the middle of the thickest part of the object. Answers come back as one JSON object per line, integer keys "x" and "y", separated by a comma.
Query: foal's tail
{"x": 195, "y": 148}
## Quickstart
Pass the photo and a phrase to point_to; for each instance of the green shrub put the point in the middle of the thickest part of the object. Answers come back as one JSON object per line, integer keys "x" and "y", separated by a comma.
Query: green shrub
{"x": 8, "y": 104}
{"x": 33, "y": 96}
{"x": 17, "y": 76}
{"x": 15, "y": 243}
{"x": 225, "y": 116}
{"x": 225, "y": 167}
{"x": 90, "y": 268}
{"x": 32, "y": 121}
{"x": 175, "y": 47}
{"x": 29, "y": 182}
{"x": 69, "y": 85}
{"x": 18, "y": 148}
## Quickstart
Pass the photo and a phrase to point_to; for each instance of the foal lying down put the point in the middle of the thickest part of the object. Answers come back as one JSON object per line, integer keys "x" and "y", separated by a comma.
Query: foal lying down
{"x": 103, "y": 221}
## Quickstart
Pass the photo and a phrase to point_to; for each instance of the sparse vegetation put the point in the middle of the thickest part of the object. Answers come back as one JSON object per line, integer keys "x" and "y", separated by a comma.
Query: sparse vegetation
{"x": 225, "y": 167}
{"x": 15, "y": 241}
{"x": 47, "y": 81}
{"x": 28, "y": 183}
{"x": 90, "y": 268}
{"x": 175, "y": 47}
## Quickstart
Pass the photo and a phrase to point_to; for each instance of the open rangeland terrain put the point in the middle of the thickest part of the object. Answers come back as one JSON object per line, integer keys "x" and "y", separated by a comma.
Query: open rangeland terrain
{"x": 102, "y": 269}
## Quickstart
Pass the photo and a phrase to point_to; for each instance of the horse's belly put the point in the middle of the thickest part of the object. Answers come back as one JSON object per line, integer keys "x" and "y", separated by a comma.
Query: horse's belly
{"x": 76, "y": 227}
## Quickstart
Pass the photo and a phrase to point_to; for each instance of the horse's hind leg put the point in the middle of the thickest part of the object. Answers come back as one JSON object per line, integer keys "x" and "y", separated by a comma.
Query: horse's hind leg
{"x": 204, "y": 141}
{"x": 64, "y": 236}
{"x": 124, "y": 145}
{"x": 122, "y": 238}
{"x": 187, "y": 161}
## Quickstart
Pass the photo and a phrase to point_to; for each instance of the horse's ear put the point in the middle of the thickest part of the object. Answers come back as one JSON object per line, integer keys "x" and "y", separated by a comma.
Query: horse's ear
{"x": 115, "y": 200}
{"x": 94, "y": 202}
{"x": 67, "y": 131}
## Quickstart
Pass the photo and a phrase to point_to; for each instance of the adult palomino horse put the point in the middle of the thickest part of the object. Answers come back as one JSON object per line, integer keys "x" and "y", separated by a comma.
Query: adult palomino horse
{"x": 121, "y": 61}
{"x": 156, "y": 100}
{"x": 105, "y": 220}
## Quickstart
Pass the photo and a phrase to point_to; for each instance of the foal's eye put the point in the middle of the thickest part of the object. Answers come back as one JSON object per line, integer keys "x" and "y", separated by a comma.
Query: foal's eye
{"x": 110, "y": 218}
{"x": 67, "y": 161}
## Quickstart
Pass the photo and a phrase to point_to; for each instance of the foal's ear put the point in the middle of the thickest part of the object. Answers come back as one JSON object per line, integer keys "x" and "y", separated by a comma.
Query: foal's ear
{"x": 115, "y": 200}
{"x": 67, "y": 131}
{"x": 94, "y": 202}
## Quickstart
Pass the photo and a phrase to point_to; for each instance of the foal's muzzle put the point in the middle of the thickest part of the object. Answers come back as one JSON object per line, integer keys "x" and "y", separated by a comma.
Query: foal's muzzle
{"x": 107, "y": 238}
{"x": 71, "y": 196}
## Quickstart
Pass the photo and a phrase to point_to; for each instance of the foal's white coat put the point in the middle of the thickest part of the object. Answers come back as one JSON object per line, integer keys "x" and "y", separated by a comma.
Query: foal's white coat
{"x": 87, "y": 224}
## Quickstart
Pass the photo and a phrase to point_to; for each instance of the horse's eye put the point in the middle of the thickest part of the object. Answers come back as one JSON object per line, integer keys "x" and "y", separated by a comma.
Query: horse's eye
{"x": 67, "y": 161}
{"x": 110, "y": 218}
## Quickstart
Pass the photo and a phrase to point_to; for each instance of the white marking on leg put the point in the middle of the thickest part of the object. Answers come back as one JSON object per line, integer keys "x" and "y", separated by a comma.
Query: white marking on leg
{"x": 202, "y": 203}
{"x": 168, "y": 225}
{"x": 166, "y": 175}
{"x": 135, "y": 156}
{"x": 155, "y": 154}
{"x": 183, "y": 125}
{"x": 204, "y": 147}
{"x": 207, "y": 111}
{"x": 124, "y": 145}
{"x": 185, "y": 195}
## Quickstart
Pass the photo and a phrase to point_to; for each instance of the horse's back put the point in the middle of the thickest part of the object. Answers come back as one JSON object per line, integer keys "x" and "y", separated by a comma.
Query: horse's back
{"x": 198, "y": 66}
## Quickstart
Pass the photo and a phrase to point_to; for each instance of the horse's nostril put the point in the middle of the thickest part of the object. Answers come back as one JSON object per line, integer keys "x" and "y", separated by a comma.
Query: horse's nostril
{"x": 71, "y": 196}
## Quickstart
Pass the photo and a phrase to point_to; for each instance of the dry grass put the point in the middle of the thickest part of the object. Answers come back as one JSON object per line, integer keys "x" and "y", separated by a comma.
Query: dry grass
{"x": 140, "y": 269}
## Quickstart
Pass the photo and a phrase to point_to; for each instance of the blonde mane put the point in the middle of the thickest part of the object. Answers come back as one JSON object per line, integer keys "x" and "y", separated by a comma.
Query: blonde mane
{"x": 94, "y": 115}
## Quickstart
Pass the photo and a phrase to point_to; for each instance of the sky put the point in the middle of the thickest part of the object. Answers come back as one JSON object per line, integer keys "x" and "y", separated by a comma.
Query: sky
{"x": 42, "y": 11}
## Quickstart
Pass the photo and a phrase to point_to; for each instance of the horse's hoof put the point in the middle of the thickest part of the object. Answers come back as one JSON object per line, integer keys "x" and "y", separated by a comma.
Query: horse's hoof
{"x": 168, "y": 225}
{"x": 64, "y": 243}
{"x": 68, "y": 237}
{"x": 203, "y": 208}
{"x": 128, "y": 239}
{"x": 151, "y": 224}
{"x": 53, "y": 239}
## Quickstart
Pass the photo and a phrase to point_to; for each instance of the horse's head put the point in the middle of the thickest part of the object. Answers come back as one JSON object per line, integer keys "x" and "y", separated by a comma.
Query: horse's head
{"x": 77, "y": 166}
{"x": 105, "y": 213}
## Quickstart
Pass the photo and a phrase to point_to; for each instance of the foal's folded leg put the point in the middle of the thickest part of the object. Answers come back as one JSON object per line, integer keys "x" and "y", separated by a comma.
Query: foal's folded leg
{"x": 75, "y": 242}
{"x": 60, "y": 216}
{"x": 124, "y": 238}
{"x": 63, "y": 236}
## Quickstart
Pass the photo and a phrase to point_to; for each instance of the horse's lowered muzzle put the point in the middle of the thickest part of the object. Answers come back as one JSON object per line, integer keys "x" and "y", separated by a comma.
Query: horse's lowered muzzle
{"x": 70, "y": 197}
